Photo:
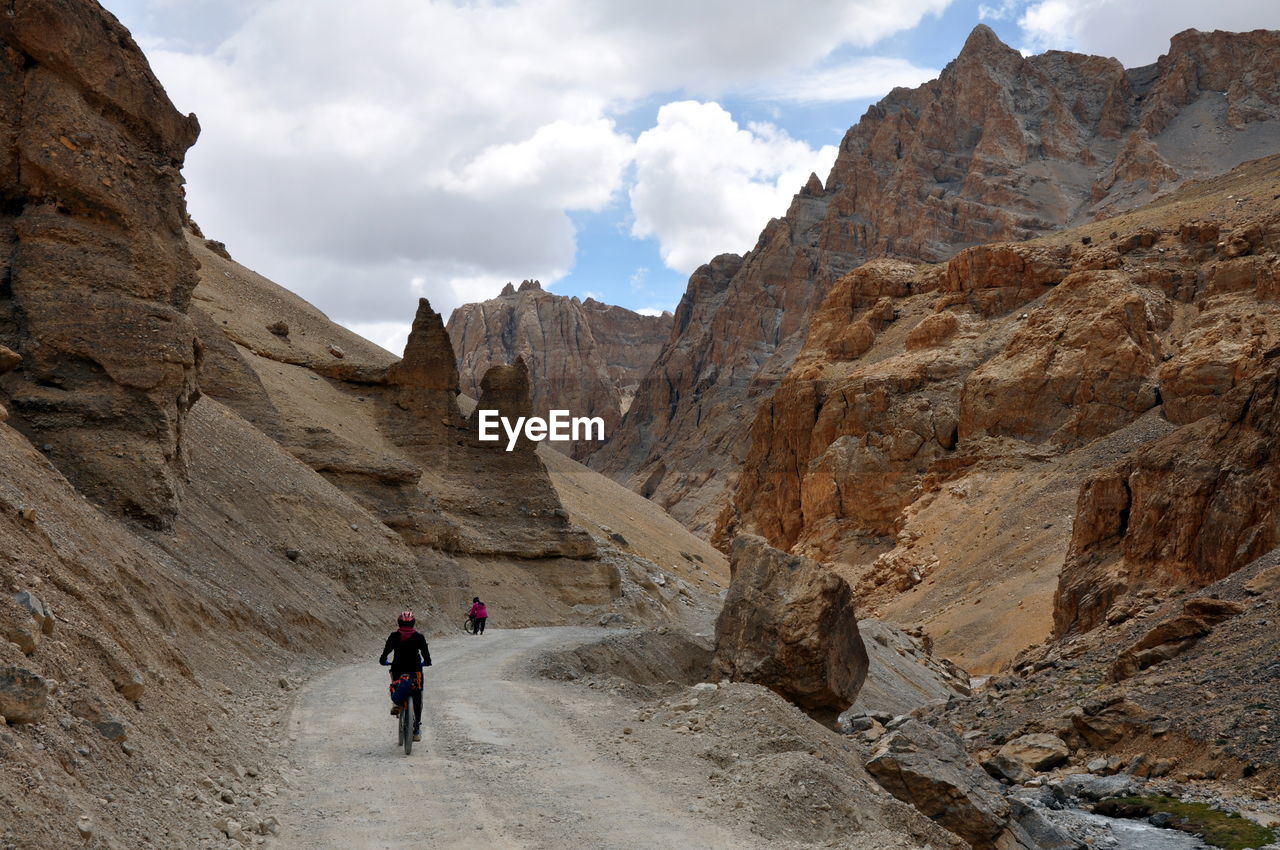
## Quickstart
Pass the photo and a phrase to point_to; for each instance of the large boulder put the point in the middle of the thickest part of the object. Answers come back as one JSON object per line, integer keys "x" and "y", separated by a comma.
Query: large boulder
{"x": 931, "y": 770}
{"x": 23, "y": 695}
{"x": 1084, "y": 786}
{"x": 1104, "y": 726}
{"x": 788, "y": 623}
{"x": 1025, "y": 756}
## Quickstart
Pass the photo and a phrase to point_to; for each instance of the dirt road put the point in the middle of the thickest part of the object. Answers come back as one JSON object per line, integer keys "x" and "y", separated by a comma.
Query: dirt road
{"x": 502, "y": 762}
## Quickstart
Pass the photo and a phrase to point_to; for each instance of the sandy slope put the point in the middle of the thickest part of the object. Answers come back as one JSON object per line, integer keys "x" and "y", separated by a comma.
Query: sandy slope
{"x": 501, "y": 764}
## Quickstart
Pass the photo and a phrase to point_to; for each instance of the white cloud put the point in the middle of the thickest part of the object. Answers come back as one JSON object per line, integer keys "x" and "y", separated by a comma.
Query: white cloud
{"x": 345, "y": 150}
{"x": 561, "y": 166}
{"x": 705, "y": 185}
{"x": 1135, "y": 31}
{"x": 390, "y": 335}
{"x": 651, "y": 311}
{"x": 1000, "y": 12}
{"x": 871, "y": 76}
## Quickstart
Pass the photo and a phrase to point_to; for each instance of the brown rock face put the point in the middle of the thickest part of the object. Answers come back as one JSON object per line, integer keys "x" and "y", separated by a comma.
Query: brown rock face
{"x": 1186, "y": 510}
{"x": 1009, "y": 377}
{"x": 999, "y": 148}
{"x": 1079, "y": 367}
{"x": 95, "y": 276}
{"x": 424, "y": 385}
{"x": 583, "y": 356}
{"x": 1174, "y": 637}
{"x": 422, "y": 418}
{"x": 788, "y": 623}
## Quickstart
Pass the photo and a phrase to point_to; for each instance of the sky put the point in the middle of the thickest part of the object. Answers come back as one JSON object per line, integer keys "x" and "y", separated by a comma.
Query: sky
{"x": 367, "y": 154}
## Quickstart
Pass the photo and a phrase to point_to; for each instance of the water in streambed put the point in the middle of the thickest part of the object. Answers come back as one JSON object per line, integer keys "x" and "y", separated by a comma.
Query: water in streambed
{"x": 1105, "y": 833}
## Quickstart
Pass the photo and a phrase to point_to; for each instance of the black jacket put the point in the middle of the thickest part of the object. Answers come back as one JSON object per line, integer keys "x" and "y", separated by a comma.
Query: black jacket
{"x": 405, "y": 654}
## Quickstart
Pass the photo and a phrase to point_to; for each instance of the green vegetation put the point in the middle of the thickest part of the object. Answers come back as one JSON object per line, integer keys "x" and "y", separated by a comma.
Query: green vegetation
{"x": 1221, "y": 829}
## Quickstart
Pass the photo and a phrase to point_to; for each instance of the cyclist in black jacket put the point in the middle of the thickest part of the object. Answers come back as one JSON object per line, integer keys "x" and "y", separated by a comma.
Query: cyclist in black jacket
{"x": 409, "y": 654}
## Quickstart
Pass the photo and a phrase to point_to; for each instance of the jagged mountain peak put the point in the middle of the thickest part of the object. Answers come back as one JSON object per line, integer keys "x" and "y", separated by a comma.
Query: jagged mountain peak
{"x": 999, "y": 147}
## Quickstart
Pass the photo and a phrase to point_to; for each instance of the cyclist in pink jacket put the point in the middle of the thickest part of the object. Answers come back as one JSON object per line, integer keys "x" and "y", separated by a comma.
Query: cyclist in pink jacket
{"x": 479, "y": 613}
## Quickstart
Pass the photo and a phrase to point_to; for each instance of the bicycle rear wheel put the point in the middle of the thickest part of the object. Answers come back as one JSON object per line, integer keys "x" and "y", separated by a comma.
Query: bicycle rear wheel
{"x": 469, "y": 626}
{"x": 406, "y": 726}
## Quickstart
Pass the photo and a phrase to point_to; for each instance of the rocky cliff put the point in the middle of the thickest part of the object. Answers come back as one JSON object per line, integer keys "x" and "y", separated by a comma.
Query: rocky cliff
{"x": 1000, "y": 147}
{"x": 95, "y": 275}
{"x": 942, "y": 418}
{"x": 583, "y": 356}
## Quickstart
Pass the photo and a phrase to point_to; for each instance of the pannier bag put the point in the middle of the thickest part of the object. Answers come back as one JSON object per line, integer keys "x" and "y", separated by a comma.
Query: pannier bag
{"x": 402, "y": 687}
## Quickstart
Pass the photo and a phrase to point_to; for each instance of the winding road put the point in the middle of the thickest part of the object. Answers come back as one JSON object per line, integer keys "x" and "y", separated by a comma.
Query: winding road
{"x": 506, "y": 760}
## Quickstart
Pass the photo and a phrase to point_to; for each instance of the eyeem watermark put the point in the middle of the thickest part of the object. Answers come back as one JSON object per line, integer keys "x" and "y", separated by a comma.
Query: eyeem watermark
{"x": 560, "y": 426}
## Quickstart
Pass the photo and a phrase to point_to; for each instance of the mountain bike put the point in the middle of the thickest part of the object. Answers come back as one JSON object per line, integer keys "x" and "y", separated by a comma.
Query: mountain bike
{"x": 404, "y": 717}
{"x": 470, "y": 625}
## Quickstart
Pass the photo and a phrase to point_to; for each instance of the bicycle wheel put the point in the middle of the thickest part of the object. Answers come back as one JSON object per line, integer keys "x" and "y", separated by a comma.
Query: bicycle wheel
{"x": 406, "y": 726}
{"x": 469, "y": 626}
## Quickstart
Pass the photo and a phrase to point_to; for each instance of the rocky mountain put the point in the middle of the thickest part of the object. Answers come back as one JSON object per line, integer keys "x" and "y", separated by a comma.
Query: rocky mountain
{"x": 209, "y": 488}
{"x": 1000, "y": 147}
{"x": 1086, "y": 411}
{"x": 583, "y": 356}
{"x": 1054, "y": 454}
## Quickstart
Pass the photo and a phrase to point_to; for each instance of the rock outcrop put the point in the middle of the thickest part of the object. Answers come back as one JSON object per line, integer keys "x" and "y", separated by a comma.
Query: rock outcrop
{"x": 23, "y": 695}
{"x": 583, "y": 356}
{"x": 95, "y": 275}
{"x": 1174, "y": 637}
{"x": 1184, "y": 511}
{"x": 1000, "y": 147}
{"x": 788, "y": 623}
{"x": 931, "y": 771}
{"x": 1131, "y": 361}
{"x": 423, "y": 419}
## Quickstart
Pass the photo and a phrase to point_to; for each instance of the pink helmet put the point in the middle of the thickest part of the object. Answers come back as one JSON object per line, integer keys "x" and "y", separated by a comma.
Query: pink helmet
{"x": 406, "y": 618}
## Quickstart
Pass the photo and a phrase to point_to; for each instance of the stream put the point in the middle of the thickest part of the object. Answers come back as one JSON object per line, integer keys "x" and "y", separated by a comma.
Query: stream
{"x": 1105, "y": 833}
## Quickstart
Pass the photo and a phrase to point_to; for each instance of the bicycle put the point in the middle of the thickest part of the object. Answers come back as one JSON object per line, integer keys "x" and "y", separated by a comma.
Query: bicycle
{"x": 470, "y": 625}
{"x": 404, "y": 726}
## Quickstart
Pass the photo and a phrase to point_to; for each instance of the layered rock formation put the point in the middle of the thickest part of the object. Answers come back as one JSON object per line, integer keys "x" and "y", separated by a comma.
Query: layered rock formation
{"x": 1131, "y": 360}
{"x": 1188, "y": 509}
{"x": 95, "y": 276}
{"x": 583, "y": 356}
{"x": 999, "y": 147}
